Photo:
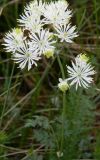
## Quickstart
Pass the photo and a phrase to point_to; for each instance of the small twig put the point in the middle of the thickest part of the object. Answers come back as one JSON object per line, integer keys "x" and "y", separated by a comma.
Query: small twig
{"x": 11, "y": 154}
{"x": 11, "y": 148}
{"x": 33, "y": 152}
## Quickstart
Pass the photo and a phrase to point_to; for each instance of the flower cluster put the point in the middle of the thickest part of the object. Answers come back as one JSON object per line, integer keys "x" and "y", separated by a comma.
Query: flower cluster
{"x": 80, "y": 74}
{"x": 39, "y": 26}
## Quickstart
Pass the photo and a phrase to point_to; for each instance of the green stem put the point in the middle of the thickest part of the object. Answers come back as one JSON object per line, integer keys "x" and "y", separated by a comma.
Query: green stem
{"x": 63, "y": 118}
{"x": 6, "y": 100}
{"x": 64, "y": 103}
{"x": 61, "y": 67}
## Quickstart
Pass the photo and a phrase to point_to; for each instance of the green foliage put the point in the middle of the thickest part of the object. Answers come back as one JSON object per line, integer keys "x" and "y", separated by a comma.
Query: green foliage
{"x": 41, "y": 131}
{"x": 3, "y": 137}
{"x": 97, "y": 146}
{"x": 77, "y": 126}
{"x": 38, "y": 121}
{"x": 3, "y": 140}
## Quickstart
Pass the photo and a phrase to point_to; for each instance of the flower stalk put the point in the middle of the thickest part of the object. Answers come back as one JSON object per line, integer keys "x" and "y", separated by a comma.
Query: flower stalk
{"x": 64, "y": 103}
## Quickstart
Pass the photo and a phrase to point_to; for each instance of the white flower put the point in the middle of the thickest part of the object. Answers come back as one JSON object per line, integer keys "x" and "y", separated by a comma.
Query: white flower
{"x": 30, "y": 22}
{"x": 31, "y": 19}
{"x": 42, "y": 41}
{"x": 13, "y": 40}
{"x": 80, "y": 73}
{"x": 24, "y": 56}
{"x": 63, "y": 85}
{"x": 57, "y": 13}
{"x": 35, "y": 8}
{"x": 66, "y": 33}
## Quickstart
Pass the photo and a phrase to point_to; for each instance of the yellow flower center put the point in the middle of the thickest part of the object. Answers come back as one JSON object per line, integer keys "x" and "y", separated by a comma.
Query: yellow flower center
{"x": 18, "y": 30}
{"x": 65, "y": 34}
{"x": 28, "y": 54}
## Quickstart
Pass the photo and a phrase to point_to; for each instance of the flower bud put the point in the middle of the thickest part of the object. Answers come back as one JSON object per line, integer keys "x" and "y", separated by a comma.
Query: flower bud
{"x": 49, "y": 53}
{"x": 59, "y": 154}
{"x": 84, "y": 57}
{"x": 63, "y": 85}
